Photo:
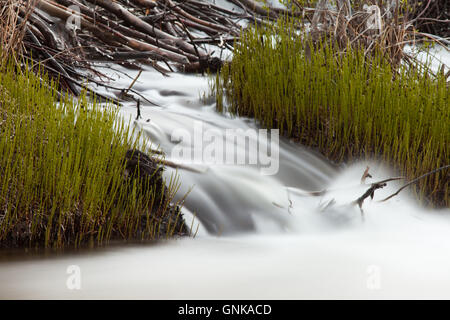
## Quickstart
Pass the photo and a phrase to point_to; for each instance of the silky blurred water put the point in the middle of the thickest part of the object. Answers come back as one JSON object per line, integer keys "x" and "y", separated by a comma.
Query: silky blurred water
{"x": 257, "y": 237}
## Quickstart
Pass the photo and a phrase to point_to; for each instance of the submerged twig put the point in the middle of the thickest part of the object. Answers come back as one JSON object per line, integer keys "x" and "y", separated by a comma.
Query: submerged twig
{"x": 138, "y": 107}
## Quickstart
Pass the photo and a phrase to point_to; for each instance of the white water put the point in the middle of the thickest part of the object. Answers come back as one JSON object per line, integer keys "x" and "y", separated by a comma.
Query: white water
{"x": 264, "y": 242}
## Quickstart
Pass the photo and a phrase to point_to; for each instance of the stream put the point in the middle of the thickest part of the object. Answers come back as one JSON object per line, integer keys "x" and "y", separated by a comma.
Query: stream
{"x": 256, "y": 236}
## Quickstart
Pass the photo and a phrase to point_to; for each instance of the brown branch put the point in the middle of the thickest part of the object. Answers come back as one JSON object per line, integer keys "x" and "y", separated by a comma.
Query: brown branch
{"x": 415, "y": 180}
{"x": 111, "y": 36}
{"x": 188, "y": 16}
{"x": 112, "y": 26}
{"x": 141, "y": 25}
{"x": 145, "y": 3}
{"x": 365, "y": 175}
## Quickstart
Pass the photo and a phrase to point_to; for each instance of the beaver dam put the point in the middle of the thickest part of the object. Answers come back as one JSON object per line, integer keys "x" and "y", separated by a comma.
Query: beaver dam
{"x": 280, "y": 150}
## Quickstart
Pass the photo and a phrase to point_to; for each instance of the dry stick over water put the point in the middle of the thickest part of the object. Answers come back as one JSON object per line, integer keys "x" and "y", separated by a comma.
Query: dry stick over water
{"x": 381, "y": 184}
{"x": 174, "y": 165}
{"x": 415, "y": 180}
{"x": 371, "y": 192}
{"x": 365, "y": 175}
{"x": 133, "y": 82}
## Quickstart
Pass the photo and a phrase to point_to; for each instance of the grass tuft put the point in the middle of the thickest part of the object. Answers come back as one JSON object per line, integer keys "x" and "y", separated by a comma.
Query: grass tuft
{"x": 67, "y": 178}
{"x": 347, "y": 105}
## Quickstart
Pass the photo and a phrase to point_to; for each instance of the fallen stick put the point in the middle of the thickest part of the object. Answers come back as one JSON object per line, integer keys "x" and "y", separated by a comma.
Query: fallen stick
{"x": 414, "y": 181}
{"x": 174, "y": 165}
{"x": 132, "y": 84}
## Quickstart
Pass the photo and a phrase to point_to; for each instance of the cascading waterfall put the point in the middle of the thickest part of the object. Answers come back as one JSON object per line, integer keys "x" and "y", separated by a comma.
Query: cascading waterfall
{"x": 233, "y": 198}
{"x": 226, "y": 198}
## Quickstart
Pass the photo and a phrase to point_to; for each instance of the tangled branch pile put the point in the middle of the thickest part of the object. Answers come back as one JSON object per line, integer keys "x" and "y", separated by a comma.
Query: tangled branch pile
{"x": 345, "y": 91}
{"x": 373, "y": 25}
{"x": 66, "y": 35}
{"x": 432, "y": 17}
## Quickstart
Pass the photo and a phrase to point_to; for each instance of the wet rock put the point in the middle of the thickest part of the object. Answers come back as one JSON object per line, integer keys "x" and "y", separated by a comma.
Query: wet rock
{"x": 149, "y": 172}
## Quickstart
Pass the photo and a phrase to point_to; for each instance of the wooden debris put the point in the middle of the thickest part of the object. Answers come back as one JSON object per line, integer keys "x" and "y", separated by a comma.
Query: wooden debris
{"x": 66, "y": 36}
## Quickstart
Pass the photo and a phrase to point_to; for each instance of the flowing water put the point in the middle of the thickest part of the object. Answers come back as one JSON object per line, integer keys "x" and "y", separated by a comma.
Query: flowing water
{"x": 257, "y": 236}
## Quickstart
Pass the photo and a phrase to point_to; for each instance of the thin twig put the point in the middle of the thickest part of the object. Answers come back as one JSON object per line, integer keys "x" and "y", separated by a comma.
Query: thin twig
{"x": 414, "y": 181}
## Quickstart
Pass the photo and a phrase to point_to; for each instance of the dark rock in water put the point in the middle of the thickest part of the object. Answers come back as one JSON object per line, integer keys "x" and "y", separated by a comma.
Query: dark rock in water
{"x": 139, "y": 165}
{"x": 211, "y": 64}
{"x": 165, "y": 217}
{"x": 149, "y": 173}
{"x": 167, "y": 93}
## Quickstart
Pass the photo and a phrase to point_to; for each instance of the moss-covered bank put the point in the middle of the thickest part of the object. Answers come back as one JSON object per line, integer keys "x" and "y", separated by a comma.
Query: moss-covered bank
{"x": 347, "y": 105}
{"x": 70, "y": 174}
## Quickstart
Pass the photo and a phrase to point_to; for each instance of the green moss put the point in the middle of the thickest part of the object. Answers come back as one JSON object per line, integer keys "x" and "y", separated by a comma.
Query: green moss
{"x": 62, "y": 170}
{"x": 348, "y": 106}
